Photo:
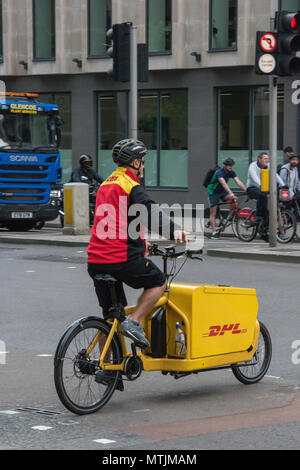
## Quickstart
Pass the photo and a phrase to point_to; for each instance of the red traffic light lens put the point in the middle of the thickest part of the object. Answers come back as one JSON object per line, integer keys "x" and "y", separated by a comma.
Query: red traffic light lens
{"x": 295, "y": 22}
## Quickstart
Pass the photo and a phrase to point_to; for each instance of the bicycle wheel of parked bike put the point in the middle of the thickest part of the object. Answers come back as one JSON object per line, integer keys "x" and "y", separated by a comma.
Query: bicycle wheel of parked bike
{"x": 79, "y": 381}
{"x": 254, "y": 370}
{"x": 245, "y": 229}
{"x": 234, "y": 225}
{"x": 287, "y": 226}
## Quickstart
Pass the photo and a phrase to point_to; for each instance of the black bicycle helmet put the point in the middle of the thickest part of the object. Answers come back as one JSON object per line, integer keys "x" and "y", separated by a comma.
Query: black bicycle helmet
{"x": 86, "y": 160}
{"x": 229, "y": 161}
{"x": 127, "y": 150}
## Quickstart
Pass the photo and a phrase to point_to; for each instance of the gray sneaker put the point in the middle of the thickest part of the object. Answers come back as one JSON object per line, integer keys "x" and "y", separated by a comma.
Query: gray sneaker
{"x": 134, "y": 330}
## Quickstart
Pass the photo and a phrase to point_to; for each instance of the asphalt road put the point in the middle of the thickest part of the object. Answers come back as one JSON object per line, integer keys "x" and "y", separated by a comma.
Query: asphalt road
{"x": 44, "y": 289}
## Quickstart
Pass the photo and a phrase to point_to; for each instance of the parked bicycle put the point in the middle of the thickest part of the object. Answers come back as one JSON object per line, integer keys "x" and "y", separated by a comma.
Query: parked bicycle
{"x": 220, "y": 330}
{"x": 294, "y": 206}
{"x": 248, "y": 226}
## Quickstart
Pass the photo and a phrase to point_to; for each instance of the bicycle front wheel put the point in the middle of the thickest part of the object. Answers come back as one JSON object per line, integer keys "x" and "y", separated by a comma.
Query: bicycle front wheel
{"x": 254, "y": 370}
{"x": 287, "y": 226}
{"x": 245, "y": 229}
{"x": 77, "y": 364}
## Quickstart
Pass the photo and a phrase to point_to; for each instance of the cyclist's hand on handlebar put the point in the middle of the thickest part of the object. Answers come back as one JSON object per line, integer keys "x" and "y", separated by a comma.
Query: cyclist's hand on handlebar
{"x": 180, "y": 236}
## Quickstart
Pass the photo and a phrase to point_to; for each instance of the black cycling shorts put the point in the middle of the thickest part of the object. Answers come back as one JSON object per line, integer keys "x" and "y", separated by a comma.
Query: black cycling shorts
{"x": 139, "y": 273}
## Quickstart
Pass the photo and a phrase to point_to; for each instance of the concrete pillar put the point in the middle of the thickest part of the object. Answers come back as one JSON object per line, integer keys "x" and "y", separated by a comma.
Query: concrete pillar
{"x": 76, "y": 209}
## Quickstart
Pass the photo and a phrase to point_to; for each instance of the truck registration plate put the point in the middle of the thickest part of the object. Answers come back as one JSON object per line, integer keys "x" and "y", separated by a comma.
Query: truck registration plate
{"x": 21, "y": 215}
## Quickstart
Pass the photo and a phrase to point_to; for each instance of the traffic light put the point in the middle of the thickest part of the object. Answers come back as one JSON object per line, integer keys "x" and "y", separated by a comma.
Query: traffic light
{"x": 276, "y": 51}
{"x": 287, "y": 25}
{"x": 119, "y": 39}
{"x": 143, "y": 62}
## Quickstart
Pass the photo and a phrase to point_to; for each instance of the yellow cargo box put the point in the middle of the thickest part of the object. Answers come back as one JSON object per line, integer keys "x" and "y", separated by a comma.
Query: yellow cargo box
{"x": 221, "y": 319}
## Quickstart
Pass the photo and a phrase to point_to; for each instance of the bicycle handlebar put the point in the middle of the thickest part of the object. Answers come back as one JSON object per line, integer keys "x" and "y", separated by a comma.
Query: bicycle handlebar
{"x": 169, "y": 252}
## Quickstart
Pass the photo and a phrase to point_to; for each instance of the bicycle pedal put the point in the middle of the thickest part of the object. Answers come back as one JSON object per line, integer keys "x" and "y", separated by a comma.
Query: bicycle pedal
{"x": 105, "y": 376}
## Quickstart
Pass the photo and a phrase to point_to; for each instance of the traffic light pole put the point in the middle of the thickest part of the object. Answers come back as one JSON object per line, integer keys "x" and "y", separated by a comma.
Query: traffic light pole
{"x": 133, "y": 124}
{"x": 273, "y": 160}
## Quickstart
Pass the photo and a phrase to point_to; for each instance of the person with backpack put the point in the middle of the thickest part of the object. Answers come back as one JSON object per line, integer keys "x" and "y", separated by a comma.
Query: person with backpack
{"x": 218, "y": 190}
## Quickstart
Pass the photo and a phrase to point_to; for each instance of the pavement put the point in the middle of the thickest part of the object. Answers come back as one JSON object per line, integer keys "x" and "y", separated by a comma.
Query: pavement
{"x": 227, "y": 247}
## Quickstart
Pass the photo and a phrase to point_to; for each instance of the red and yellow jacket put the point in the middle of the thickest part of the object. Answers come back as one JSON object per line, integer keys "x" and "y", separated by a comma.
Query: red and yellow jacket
{"x": 111, "y": 242}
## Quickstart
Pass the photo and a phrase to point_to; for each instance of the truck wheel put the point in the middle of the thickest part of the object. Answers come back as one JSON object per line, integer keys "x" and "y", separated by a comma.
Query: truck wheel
{"x": 19, "y": 226}
{"x": 39, "y": 225}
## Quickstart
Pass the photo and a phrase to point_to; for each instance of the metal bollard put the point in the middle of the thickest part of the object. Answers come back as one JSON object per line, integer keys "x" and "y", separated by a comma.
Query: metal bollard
{"x": 76, "y": 209}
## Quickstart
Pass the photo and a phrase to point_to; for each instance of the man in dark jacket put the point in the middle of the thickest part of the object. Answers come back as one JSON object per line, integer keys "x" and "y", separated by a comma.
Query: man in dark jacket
{"x": 85, "y": 173}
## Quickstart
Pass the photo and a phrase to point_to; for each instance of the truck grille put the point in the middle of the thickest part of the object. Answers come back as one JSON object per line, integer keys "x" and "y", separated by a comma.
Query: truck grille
{"x": 21, "y": 198}
{"x": 24, "y": 168}
{"x": 23, "y": 176}
{"x": 24, "y": 195}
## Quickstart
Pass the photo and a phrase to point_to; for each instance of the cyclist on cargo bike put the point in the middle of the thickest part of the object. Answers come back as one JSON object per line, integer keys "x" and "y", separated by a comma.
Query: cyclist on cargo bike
{"x": 115, "y": 251}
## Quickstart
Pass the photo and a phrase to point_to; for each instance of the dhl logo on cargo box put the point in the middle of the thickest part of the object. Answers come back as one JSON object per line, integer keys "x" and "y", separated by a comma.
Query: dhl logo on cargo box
{"x": 220, "y": 330}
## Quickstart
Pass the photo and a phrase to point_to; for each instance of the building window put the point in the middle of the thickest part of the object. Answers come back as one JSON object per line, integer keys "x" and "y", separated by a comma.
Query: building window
{"x": 1, "y": 33}
{"x": 162, "y": 126}
{"x": 99, "y": 21}
{"x": 223, "y": 24}
{"x": 44, "y": 29}
{"x": 289, "y": 5}
{"x": 112, "y": 127}
{"x": 159, "y": 26}
{"x": 64, "y": 102}
{"x": 243, "y": 130}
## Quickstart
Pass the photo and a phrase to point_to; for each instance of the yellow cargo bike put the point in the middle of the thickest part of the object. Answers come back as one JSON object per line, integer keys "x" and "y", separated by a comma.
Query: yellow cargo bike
{"x": 218, "y": 323}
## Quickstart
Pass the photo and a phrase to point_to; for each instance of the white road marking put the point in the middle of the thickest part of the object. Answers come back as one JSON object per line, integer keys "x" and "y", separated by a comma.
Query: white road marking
{"x": 104, "y": 441}
{"x": 41, "y": 428}
{"x": 72, "y": 267}
{"x": 141, "y": 411}
{"x": 44, "y": 355}
{"x": 9, "y": 412}
{"x": 30, "y": 271}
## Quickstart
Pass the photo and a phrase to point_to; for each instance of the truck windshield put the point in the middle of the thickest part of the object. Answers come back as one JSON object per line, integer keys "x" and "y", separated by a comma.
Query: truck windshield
{"x": 28, "y": 132}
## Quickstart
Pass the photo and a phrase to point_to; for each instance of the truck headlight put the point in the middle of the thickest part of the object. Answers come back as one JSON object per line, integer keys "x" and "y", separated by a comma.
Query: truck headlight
{"x": 55, "y": 193}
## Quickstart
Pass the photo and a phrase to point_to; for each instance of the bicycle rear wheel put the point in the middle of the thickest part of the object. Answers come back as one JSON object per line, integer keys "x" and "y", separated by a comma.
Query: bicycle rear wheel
{"x": 234, "y": 225}
{"x": 288, "y": 225}
{"x": 245, "y": 229}
{"x": 76, "y": 382}
{"x": 253, "y": 371}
